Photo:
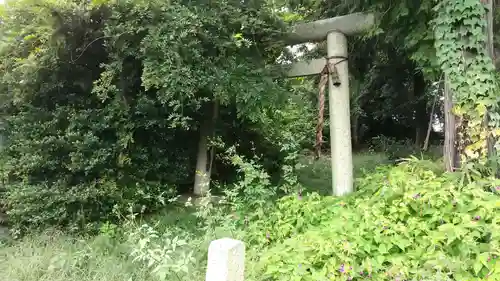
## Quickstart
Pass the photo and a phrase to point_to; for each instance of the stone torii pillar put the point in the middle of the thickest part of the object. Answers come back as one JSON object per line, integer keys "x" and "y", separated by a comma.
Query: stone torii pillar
{"x": 334, "y": 30}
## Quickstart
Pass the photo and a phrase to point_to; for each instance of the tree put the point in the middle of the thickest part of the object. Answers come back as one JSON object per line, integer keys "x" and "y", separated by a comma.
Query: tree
{"x": 105, "y": 101}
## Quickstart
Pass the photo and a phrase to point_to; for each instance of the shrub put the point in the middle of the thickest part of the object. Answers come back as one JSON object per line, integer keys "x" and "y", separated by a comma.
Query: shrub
{"x": 395, "y": 149}
{"x": 174, "y": 252}
{"x": 113, "y": 118}
{"x": 407, "y": 223}
{"x": 166, "y": 254}
{"x": 79, "y": 207}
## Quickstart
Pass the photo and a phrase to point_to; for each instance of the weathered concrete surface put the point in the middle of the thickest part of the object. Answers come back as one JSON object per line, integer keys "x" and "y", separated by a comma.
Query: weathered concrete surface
{"x": 306, "y": 68}
{"x": 226, "y": 260}
{"x": 340, "y": 117}
{"x": 317, "y": 30}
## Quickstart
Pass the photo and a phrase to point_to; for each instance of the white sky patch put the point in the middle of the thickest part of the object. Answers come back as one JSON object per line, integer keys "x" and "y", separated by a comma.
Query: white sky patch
{"x": 296, "y": 52}
{"x": 295, "y": 49}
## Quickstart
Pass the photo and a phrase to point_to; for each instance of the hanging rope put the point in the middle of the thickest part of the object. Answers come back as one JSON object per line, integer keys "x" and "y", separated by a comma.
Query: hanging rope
{"x": 321, "y": 104}
{"x": 330, "y": 68}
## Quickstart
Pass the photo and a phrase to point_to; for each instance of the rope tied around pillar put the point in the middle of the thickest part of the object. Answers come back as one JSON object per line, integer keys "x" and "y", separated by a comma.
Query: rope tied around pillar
{"x": 330, "y": 68}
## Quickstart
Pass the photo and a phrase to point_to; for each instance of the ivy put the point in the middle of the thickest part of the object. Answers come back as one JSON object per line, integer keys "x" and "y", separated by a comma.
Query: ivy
{"x": 460, "y": 47}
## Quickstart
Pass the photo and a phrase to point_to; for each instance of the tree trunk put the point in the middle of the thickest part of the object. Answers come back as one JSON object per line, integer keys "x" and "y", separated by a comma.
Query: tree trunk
{"x": 205, "y": 156}
{"x": 356, "y": 94}
{"x": 429, "y": 128}
{"x": 451, "y": 157}
{"x": 421, "y": 127}
{"x": 354, "y": 129}
{"x": 420, "y": 123}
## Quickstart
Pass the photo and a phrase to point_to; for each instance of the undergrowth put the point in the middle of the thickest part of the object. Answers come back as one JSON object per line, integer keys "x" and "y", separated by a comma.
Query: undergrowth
{"x": 406, "y": 222}
{"x": 54, "y": 256}
{"x": 409, "y": 222}
{"x": 316, "y": 174}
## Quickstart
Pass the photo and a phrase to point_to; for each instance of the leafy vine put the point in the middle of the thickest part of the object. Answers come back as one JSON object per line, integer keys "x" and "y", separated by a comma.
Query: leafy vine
{"x": 460, "y": 45}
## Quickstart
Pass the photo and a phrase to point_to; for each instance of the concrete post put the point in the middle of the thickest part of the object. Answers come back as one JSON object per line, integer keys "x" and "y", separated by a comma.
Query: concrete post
{"x": 339, "y": 108}
{"x": 226, "y": 260}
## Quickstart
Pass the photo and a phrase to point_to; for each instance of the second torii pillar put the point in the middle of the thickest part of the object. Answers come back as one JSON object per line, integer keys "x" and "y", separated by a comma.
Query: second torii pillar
{"x": 339, "y": 108}
{"x": 335, "y": 31}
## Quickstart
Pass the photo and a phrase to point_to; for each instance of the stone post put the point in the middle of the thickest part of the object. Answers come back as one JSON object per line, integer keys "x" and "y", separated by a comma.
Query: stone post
{"x": 340, "y": 123}
{"x": 226, "y": 260}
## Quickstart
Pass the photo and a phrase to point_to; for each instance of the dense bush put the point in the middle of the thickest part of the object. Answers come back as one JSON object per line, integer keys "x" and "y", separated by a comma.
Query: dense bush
{"x": 102, "y": 101}
{"x": 409, "y": 222}
{"x": 394, "y": 149}
{"x": 405, "y": 222}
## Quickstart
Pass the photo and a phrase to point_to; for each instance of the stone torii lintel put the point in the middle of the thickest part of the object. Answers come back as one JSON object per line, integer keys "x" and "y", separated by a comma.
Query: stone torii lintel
{"x": 317, "y": 30}
{"x": 306, "y": 68}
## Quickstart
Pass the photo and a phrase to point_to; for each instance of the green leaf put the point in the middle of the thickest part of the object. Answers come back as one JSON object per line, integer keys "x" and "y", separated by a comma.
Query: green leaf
{"x": 477, "y": 266}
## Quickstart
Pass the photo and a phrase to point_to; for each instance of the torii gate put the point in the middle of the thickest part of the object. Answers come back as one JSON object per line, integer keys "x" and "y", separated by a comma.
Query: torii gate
{"x": 335, "y": 31}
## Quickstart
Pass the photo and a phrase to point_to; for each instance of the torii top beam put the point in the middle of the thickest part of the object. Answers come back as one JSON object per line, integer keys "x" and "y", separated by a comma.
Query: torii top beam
{"x": 317, "y": 30}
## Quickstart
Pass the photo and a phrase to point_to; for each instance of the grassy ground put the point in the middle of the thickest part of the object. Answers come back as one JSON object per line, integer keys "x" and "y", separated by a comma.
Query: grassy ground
{"x": 58, "y": 257}
{"x": 55, "y": 256}
{"x": 316, "y": 175}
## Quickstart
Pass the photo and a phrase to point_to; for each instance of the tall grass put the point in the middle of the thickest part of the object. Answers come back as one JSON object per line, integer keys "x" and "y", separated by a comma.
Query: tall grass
{"x": 316, "y": 175}
{"x": 57, "y": 257}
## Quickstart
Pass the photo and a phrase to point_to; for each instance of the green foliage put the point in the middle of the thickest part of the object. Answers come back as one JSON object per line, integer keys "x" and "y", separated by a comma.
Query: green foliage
{"x": 460, "y": 39}
{"x": 78, "y": 207}
{"x": 254, "y": 188}
{"x": 408, "y": 222}
{"x": 405, "y": 223}
{"x": 186, "y": 66}
{"x": 172, "y": 252}
{"x": 315, "y": 175}
{"x": 386, "y": 64}
{"x": 439, "y": 37}
{"x": 54, "y": 256}
{"x": 170, "y": 245}
{"x": 103, "y": 101}
{"x": 164, "y": 254}
{"x": 394, "y": 149}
